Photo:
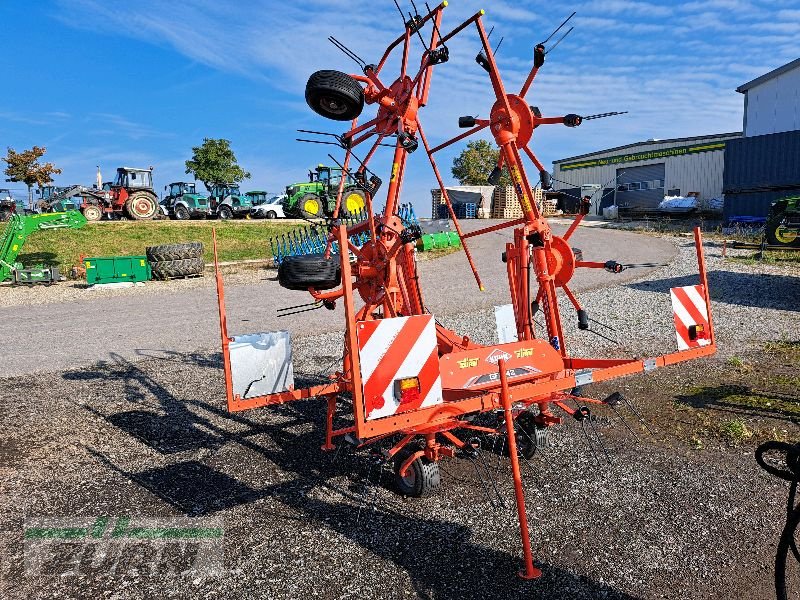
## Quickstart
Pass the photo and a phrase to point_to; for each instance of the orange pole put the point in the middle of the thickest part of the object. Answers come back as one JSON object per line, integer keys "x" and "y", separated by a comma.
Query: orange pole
{"x": 530, "y": 571}
{"x": 223, "y": 326}
{"x": 701, "y": 267}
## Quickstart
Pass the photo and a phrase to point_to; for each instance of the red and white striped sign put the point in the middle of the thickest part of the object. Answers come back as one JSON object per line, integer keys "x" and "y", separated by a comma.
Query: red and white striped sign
{"x": 394, "y": 349}
{"x": 691, "y": 316}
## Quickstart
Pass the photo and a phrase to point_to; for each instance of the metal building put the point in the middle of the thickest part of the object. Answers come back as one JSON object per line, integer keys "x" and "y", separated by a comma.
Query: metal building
{"x": 764, "y": 165}
{"x": 640, "y": 175}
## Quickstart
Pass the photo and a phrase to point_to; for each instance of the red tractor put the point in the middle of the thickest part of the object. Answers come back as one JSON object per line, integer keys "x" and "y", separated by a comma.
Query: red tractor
{"x": 130, "y": 195}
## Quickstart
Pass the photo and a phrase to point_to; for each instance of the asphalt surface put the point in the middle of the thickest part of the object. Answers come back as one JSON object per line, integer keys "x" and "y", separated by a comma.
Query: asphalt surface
{"x": 72, "y": 334}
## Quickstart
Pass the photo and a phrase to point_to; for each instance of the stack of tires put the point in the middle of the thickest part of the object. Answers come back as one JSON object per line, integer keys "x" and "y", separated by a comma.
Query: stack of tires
{"x": 173, "y": 261}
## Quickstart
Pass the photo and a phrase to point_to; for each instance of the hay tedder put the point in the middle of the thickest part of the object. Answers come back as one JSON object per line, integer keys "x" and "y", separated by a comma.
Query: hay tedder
{"x": 416, "y": 387}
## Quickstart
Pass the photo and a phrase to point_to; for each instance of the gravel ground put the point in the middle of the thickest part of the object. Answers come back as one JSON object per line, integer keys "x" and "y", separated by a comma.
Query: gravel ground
{"x": 152, "y": 438}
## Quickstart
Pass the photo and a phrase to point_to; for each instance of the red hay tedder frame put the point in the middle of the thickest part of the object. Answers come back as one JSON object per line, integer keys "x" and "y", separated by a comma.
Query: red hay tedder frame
{"x": 383, "y": 275}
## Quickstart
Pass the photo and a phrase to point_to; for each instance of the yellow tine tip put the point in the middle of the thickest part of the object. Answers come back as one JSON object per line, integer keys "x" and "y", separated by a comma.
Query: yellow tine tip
{"x": 482, "y": 289}
{"x": 483, "y": 12}
{"x": 444, "y": 4}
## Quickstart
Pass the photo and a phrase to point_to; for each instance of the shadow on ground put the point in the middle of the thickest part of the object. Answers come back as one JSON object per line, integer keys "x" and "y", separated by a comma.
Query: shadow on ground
{"x": 779, "y": 292}
{"x": 439, "y": 557}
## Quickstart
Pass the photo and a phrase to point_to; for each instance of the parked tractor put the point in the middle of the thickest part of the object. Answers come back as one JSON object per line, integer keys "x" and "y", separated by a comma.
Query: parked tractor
{"x": 58, "y": 199}
{"x": 132, "y": 194}
{"x": 783, "y": 223}
{"x": 183, "y": 202}
{"x": 8, "y": 206}
{"x": 228, "y": 202}
{"x": 317, "y": 197}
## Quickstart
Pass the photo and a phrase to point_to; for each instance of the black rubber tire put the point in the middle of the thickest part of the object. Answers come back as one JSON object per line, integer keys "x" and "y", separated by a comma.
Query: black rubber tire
{"x": 5, "y": 215}
{"x": 771, "y": 232}
{"x": 170, "y": 252}
{"x": 182, "y": 213}
{"x": 353, "y": 191}
{"x": 310, "y": 215}
{"x": 334, "y": 95}
{"x": 141, "y": 206}
{"x": 311, "y": 270}
{"x": 423, "y": 477}
{"x": 225, "y": 212}
{"x": 529, "y": 435}
{"x": 171, "y": 269}
{"x": 271, "y": 214}
{"x": 92, "y": 213}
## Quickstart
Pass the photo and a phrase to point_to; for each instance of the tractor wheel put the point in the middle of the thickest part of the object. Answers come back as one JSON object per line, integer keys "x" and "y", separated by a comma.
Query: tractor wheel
{"x": 782, "y": 235}
{"x": 530, "y": 437}
{"x": 335, "y": 95}
{"x": 171, "y": 269}
{"x": 422, "y": 478}
{"x": 92, "y": 213}
{"x": 5, "y": 215}
{"x": 354, "y": 201}
{"x": 310, "y": 206}
{"x": 271, "y": 214}
{"x": 225, "y": 212}
{"x": 141, "y": 206}
{"x": 182, "y": 213}
{"x": 309, "y": 271}
{"x": 171, "y": 252}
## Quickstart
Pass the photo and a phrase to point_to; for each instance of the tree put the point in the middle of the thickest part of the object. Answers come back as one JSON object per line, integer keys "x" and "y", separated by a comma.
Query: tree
{"x": 214, "y": 162}
{"x": 476, "y": 162}
{"x": 24, "y": 167}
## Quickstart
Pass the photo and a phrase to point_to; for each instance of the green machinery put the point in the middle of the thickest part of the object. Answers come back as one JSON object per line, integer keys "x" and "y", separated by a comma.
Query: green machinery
{"x": 183, "y": 202}
{"x": 317, "y": 197}
{"x": 227, "y": 201}
{"x": 783, "y": 223}
{"x": 16, "y": 232}
{"x": 116, "y": 269}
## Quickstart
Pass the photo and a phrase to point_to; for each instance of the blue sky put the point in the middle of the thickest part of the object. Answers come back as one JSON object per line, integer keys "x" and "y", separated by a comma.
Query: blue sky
{"x": 139, "y": 83}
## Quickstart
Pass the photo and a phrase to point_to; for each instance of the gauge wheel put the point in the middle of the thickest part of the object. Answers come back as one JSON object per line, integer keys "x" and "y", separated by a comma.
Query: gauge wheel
{"x": 422, "y": 477}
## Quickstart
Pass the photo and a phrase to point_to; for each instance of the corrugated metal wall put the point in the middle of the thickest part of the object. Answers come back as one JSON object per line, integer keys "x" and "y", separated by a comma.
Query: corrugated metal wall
{"x": 774, "y": 106}
{"x": 702, "y": 173}
{"x": 645, "y": 175}
{"x": 760, "y": 170}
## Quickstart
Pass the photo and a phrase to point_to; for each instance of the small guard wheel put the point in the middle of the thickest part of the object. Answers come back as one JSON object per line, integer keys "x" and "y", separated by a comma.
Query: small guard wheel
{"x": 334, "y": 95}
{"x": 422, "y": 478}
{"x": 529, "y": 435}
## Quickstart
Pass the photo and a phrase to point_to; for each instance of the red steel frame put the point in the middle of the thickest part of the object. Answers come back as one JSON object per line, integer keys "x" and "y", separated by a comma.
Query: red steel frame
{"x": 384, "y": 276}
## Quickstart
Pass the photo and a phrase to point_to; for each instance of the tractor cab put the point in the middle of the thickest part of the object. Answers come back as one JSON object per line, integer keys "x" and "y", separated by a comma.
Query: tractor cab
{"x": 180, "y": 188}
{"x": 228, "y": 201}
{"x": 257, "y": 197}
{"x": 128, "y": 177}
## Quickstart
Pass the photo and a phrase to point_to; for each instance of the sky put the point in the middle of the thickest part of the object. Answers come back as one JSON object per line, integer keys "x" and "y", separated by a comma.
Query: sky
{"x": 113, "y": 83}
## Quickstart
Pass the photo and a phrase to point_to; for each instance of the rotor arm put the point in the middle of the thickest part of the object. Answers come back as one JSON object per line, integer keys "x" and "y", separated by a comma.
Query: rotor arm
{"x": 538, "y": 61}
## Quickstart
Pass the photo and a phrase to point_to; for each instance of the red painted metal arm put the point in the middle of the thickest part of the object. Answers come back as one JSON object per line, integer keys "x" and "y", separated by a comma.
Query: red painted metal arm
{"x": 458, "y": 138}
{"x": 526, "y": 86}
{"x": 400, "y": 39}
{"x": 533, "y": 158}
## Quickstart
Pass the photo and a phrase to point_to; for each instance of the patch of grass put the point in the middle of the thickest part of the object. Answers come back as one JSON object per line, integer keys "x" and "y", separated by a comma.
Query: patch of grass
{"x": 742, "y": 397}
{"x": 738, "y": 364}
{"x": 735, "y": 431}
{"x": 237, "y": 240}
{"x": 770, "y": 257}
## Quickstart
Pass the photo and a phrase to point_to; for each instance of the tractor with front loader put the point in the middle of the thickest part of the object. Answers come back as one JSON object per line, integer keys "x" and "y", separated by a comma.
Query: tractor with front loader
{"x": 228, "y": 202}
{"x": 183, "y": 202}
{"x": 15, "y": 235}
{"x": 316, "y": 198}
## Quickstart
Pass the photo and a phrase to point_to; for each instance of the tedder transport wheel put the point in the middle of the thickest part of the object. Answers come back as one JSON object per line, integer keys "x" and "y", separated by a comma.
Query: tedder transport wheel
{"x": 141, "y": 206}
{"x": 311, "y": 270}
{"x": 530, "y": 437}
{"x": 334, "y": 95}
{"x": 92, "y": 213}
{"x": 422, "y": 478}
{"x": 310, "y": 206}
{"x": 181, "y": 213}
{"x": 167, "y": 252}
{"x": 171, "y": 269}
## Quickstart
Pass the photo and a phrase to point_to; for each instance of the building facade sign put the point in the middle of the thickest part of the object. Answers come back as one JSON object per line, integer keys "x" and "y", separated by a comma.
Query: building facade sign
{"x": 639, "y": 156}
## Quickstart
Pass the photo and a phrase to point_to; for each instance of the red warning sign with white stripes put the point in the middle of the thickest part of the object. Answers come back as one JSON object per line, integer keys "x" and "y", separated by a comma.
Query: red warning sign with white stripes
{"x": 691, "y": 316}
{"x": 399, "y": 365}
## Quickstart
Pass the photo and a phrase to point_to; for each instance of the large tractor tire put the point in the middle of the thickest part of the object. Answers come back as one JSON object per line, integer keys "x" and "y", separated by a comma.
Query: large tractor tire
{"x": 141, "y": 206}
{"x": 92, "y": 212}
{"x": 309, "y": 271}
{"x": 782, "y": 234}
{"x": 171, "y": 252}
{"x": 354, "y": 201}
{"x": 225, "y": 212}
{"x": 310, "y": 206}
{"x": 182, "y": 213}
{"x": 335, "y": 95}
{"x": 172, "y": 269}
{"x": 5, "y": 215}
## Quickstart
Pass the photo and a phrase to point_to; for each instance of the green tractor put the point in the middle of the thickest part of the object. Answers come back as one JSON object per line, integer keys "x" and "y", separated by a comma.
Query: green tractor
{"x": 183, "y": 202}
{"x": 227, "y": 201}
{"x": 783, "y": 223}
{"x": 317, "y": 197}
{"x": 58, "y": 199}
